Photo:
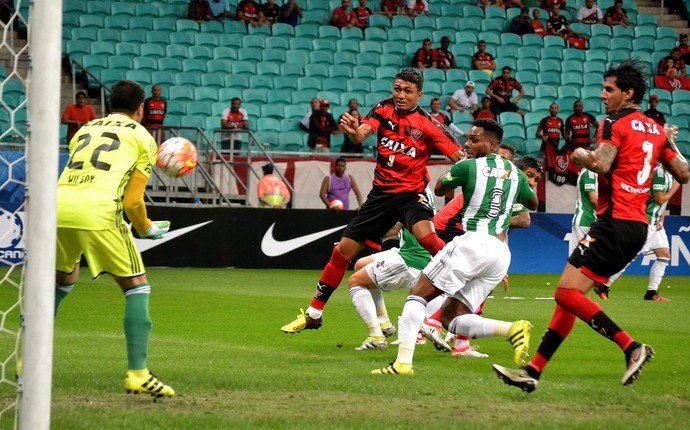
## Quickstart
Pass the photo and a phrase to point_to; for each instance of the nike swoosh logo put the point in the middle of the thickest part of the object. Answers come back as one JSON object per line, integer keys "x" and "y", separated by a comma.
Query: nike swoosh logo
{"x": 146, "y": 244}
{"x": 275, "y": 248}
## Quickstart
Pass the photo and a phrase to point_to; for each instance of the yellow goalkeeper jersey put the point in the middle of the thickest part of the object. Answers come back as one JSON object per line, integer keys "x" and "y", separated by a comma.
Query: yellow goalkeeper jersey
{"x": 103, "y": 155}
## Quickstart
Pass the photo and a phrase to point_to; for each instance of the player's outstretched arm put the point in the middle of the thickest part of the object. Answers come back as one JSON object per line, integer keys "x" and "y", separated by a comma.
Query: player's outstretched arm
{"x": 521, "y": 220}
{"x": 135, "y": 208}
{"x": 356, "y": 132}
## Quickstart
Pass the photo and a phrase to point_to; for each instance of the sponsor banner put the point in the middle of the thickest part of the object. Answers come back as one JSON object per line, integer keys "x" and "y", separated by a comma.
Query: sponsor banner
{"x": 670, "y": 84}
{"x": 548, "y": 238}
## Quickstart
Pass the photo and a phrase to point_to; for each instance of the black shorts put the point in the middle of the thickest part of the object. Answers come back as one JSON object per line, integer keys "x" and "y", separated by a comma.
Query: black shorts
{"x": 608, "y": 247}
{"x": 381, "y": 211}
{"x": 505, "y": 107}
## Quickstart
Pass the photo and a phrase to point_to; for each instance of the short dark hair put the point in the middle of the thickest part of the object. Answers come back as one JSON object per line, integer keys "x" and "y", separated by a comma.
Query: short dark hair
{"x": 412, "y": 75}
{"x": 80, "y": 93}
{"x": 507, "y": 148}
{"x": 630, "y": 74}
{"x": 235, "y": 99}
{"x": 506, "y": 68}
{"x": 126, "y": 96}
{"x": 434, "y": 99}
{"x": 526, "y": 162}
{"x": 340, "y": 160}
{"x": 426, "y": 40}
{"x": 481, "y": 41}
{"x": 576, "y": 102}
{"x": 490, "y": 126}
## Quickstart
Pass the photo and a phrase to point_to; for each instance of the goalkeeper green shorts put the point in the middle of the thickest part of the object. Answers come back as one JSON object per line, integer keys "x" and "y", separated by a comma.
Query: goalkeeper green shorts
{"x": 106, "y": 251}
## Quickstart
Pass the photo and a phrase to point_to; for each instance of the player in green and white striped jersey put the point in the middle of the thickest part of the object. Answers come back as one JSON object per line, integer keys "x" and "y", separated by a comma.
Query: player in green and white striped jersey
{"x": 470, "y": 266}
{"x": 663, "y": 188}
{"x": 585, "y": 208}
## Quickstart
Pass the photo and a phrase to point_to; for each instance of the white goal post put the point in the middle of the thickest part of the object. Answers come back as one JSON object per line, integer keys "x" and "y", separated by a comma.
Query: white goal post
{"x": 45, "y": 51}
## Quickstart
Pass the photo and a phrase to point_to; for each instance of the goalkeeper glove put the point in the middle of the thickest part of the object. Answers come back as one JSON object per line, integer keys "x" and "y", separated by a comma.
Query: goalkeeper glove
{"x": 156, "y": 231}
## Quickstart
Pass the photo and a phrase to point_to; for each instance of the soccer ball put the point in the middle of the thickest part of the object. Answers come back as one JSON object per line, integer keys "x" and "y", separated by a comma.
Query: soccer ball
{"x": 176, "y": 157}
{"x": 336, "y": 205}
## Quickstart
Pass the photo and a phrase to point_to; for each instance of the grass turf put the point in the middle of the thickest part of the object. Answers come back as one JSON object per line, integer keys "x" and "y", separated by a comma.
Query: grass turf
{"x": 216, "y": 341}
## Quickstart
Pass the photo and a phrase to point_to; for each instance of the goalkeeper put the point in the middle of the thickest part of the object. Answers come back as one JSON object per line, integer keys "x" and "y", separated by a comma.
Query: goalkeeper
{"x": 109, "y": 165}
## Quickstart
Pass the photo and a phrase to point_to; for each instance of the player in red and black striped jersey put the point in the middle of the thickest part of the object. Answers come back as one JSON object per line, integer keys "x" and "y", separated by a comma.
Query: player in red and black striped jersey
{"x": 406, "y": 135}
{"x": 629, "y": 145}
{"x": 482, "y": 60}
{"x": 362, "y": 14}
{"x": 577, "y": 127}
{"x": 653, "y": 113}
{"x": 423, "y": 58}
{"x": 155, "y": 108}
{"x": 501, "y": 90}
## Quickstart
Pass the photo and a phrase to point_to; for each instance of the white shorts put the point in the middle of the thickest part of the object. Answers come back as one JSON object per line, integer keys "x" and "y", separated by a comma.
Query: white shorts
{"x": 390, "y": 272}
{"x": 656, "y": 239}
{"x": 576, "y": 235}
{"x": 469, "y": 267}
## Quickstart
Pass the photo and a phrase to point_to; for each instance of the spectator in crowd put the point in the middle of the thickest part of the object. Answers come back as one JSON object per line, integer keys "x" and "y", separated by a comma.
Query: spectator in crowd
{"x": 558, "y": 25}
{"x": 337, "y": 186}
{"x": 442, "y": 56}
{"x": 683, "y": 47}
{"x": 590, "y": 13}
{"x": 350, "y": 147}
{"x": 353, "y": 104}
{"x": 417, "y": 7}
{"x": 672, "y": 66}
{"x": 271, "y": 190}
{"x": 290, "y": 13}
{"x": 616, "y": 15}
{"x": 442, "y": 117}
{"x": 482, "y": 60}
{"x": 550, "y": 131}
{"x": 220, "y": 9}
{"x": 199, "y": 10}
{"x": 537, "y": 25}
{"x": 486, "y": 111}
{"x": 486, "y": 3}
{"x": 391, "y": 8}
{"x": 578, "y": 127}
{"x": 155, "y": 108}
{"x": 321, "y": 126}
{"x": 270, "y": 12}
{"x": 304, "y": 123}
{"x": 234, "y": 118}
{"x": 343, "y": 16}
{"x": 548, "y": 4}
{"x": 77, "y": 114}
{"x": 521, "y": 24}
{"x": 423, "y": 58}
{"x": 464, "y": 99}
{"x": 501, "y": 91}
{"x": 249, "y": 12}
{"x": 507, "y": 4}
{"x": 362, "y": 13}
{"x": 653, "y": 113}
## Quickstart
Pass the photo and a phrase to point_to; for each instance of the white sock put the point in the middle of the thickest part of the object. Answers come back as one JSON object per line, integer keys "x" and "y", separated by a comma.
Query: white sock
{"x": 434, "y": 305}
{"x": 408, "y": 327}
{"x": 381, "y": 311}
{"x": 657, "y": 273}
{"x": 475, "y": 326}
{"x": 364, "y": 304}
{"x": 314, "y": 313}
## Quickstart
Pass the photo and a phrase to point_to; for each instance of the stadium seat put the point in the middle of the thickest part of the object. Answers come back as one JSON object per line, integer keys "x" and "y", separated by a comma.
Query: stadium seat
{"x": 181, "y": 93}
{"x": 352, "y": 33}
{"x": 144, "y": 23}
{"x": 375, "y": 34}
{"x": 532, "y": 40}
{"x": 340, "y": 70}
{"x": 243, "y": 68}
{"x": 549, "y": 78}
{"x": 544, "y": 92}
{"x": 249, "y": 54}
{"x": 314, "y": 70}
{"x": 260, "y": 81}
{"x": 334, "y": 84}
{"x": 289, "y": 69}
{"x": 510, "y": 39}
{"x": 212, "y": 80}
{"x": 507, "y": 118}
{"x": 666, "y": 33}
{"x": 286, "y": 82}
{"x": 98, "y": 8}
{"x": 187, "y": 79}
{"x": 186, "y": 25}
{"x": 218, "y": 66}
{"x": 203, "y": 53}
{"x": 381, "y": 21}
{"x": 533, "y": 118}
{"x": 364, "y": 72}
{"x": 550, "y": 65}
{"x": 593, "y": 55}
{"x": 353, "y": 45}
{"x": 401, "y": 22}
{"x": 267, "y": 69}
{"x": 145, "y": 63}
{"x": 193, "y": 65}
{"x": 529, "y": 52}
{"x": 399, "y": 34}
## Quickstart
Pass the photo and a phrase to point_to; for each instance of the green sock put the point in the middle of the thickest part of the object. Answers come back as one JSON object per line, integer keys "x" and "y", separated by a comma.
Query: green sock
{"x": 61, "y": 292}
{"x": 137, "y": 325}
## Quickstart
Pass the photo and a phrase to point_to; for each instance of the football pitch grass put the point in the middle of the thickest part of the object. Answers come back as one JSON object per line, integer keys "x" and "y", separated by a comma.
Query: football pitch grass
{"x": 216, "y": 340}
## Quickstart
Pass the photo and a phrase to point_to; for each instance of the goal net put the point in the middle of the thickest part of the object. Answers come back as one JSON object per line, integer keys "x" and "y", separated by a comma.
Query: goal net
{"x": 30, "y": 55}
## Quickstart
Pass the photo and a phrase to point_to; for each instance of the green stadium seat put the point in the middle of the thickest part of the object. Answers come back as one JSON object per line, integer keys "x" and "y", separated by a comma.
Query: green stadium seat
{"x": 352, "y": 33}
{"x": 123, "y": 8}
{"x": 375, "y": 34}
{"x": 446, "y": 23}
{"x": 492, "y": 39}
{"x": 108, "y": 35}
{"x": 145, "y": 63}
{"x": 580, "y": 28}
{"x": 363, "y": 72}
{"x": 618, "y": 56}
{"x": 193, "y": 65}
{"x": 181, "y": 93}
{"x": 328, "y": 45}
{"x": 224, "y": 53}
{"x": 212, "y": 80}
{"x": 568, "y": 91}
{"x": 293, "y": 111}
{"x": 178, "y": 52}
{"x": 307, "y": 83}
{"x": 600, "y": 29}
{"x": 680, "y": 96}
{"x": 643, "y": 45}
{"x": 276, "y": 56}
{"x": 289, "y": 124}
{"x": 98, "y": 8}
{"x": 645, "y": 20}
{"x": 158, "y": 37}
{"x": 437, "y": 35}
{"x": 141, "y": 23}
{"x": 551, "y": 41}
{"x": 259, "y": 81}
{"x": 510, "y": 39}
{"x": 666, "y": 33}
{"x": 402, "y": 22}
{"x": 545, "y": 91}
{"x": 205, "y": 94}
{"x": 334, "y": 84}
{"x": 507, "y": 118}
{"x": 329, "y": 32}
{"x": 399, "y": 34}
{"x": 252, "y": 95}
{"x": 127, "y": 49}
{"x": 170, "y": 64}
{"x": 219, "y": 66}
{"x": 165, "y": 24}
{"x": 249, "y": 54}
{"x": 254, "y": 41}
{"x": 380, "y": 21}
{"x": 394, "y": 60}
{"x": 554, "y": 52}
{"x": 282, "y": 30}
{"x": 494, "y": 12}
{"x": 590, "y": 79}
{"x": 503, "y": 62}
{"x": 373, "y": 98}
{"x": 424, "y": 22}
{"x": 479, "y": 76}
{"x": 550, "y": 65}
{"x": 457, "y": 76}
{"x": 243, "y": 68}
{"x": 230, "y": 40}
{"x": 273, "y": 42}
{"x": 419, "y": 35}
{"x": 346, "y": 96}
{"x": 111, "y": 76}
{"x": 203, "y": 53}
{"x": 529, "y": 52}
{"x": 514, "y": 131}
{"x": 664, "y": 45}
{"x": 268, "y": 69}
{"x": 77, "y": 6}
{"x": 590, "y": 92}
{"x": 92, "y": 23}
{"x": 507, "y": 51}
{"x": 533, "y": 118}
{"x": 527, "y": 77}
{"x": 118, "y": 22}
{"x": 307, "y": 31}
{"x": 593, "y": 106}
{"x": 358, "y": 85}
{"x": 182, "y": 38}
{"x": 113, "y": 62}
{"x": 386, "y": 72}
{"x": 188, "y": 79}
{"x": 227, "y": 94}
{"x": 368, "y": 46}
{"x": 315, "y": 70}
{"x": 176, "y": 107}
{"x": 332, "y": 96}
{"x": 268, "y": 124}
{"x": 493, "y": 25}
{"x": 472, "y": 11}
{"x": 664, "y": 95}
{"x": 289, "y": 69}
{"x": 186, "y": 25}
{"x": 142, "y": 77}
{"x": 208, "y": 40}
{"x": 291, "y": 141}
{"x": 549, "y": 78}
{"x": 532, "y": 40}
{"x": 621, "y": 44}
